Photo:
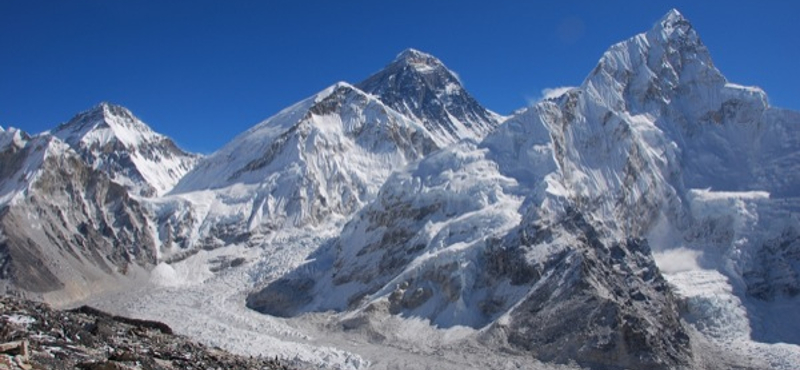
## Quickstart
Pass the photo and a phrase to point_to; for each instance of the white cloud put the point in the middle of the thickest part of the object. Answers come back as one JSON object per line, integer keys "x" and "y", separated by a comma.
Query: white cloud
{"x": 550, "y": 93}
{"x": 554, "y": 92}
{"x": 457, "y": 76}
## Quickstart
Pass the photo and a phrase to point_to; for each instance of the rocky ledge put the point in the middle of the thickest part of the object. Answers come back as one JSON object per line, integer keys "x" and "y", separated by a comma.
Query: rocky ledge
{"x": 34, "y": 336}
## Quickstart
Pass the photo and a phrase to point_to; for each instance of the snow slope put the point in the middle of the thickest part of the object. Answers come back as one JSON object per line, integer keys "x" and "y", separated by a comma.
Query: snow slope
{"x": 319, "y": 160}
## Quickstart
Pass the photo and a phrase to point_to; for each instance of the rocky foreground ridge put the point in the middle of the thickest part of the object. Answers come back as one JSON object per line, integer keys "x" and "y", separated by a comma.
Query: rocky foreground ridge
{"x": 35, "y": 336}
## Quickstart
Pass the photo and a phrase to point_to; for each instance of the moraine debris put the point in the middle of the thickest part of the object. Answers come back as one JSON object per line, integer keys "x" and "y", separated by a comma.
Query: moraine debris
{"x": 34, "y": 336}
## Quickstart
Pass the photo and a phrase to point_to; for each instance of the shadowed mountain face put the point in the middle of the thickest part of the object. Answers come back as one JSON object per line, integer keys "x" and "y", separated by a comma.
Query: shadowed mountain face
{"x": 66, "y": 226}
{"x": 419, "y": 86}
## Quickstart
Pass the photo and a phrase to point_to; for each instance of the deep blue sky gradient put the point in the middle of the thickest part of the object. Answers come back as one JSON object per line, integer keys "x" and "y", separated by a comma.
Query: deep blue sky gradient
{"x": 203, "y": 71}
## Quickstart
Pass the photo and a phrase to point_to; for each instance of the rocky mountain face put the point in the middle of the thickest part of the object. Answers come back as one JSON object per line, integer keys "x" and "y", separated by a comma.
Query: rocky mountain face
{"x": 65, "y": 226}
{"x": 111, "y": 139}
{"x": 419, "y": 86}
{"x": 608, "y": 294}
{"x": 542, "y": 233}
{"x": 86, "y": 338}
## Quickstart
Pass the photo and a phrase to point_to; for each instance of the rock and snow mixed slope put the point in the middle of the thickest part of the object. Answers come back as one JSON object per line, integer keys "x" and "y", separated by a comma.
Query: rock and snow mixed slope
{"x": 419, "y": 86}
{"x": 594, "y": 177}
{"x": 430, "y": 204}
{"x": 646, "y": 218}
{"x": 85, "y": 337}
{"x": 111, "y": 139}
{"x": 74, "y": 210}
{"x": 66, "y": 229}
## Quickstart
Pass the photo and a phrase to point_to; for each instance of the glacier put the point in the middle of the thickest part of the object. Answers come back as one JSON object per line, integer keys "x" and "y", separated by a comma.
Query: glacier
{"x": 645, "y": 218}
{"x": 626, "y": 160}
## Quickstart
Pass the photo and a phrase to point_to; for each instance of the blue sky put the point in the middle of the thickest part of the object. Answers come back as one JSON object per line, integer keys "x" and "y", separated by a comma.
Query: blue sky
{"x": 203, "y": 71}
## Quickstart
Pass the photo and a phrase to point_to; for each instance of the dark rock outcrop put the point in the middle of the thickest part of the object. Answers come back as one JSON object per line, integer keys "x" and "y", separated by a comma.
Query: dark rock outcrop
{"x": 86, "y": 338}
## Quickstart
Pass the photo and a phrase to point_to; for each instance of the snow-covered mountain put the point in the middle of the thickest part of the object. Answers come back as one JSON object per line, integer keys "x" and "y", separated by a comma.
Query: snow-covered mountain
{"x": 66, "y": 229}
{"x": 325, "y": 157}
{"x": 319, "y": 160}
{"x": 544, "y": 234}
{"x": 647, "y": 218}
{"x": 111, "y": 139}
{"x": 419, "y": 86}
{"x": 720, "y": 159}
{"x": 316, "y": 125}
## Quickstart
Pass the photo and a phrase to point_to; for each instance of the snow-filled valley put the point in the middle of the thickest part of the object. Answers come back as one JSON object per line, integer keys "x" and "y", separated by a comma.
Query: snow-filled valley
{"x": 203, "y": 297}
{"x": 209, "y": 306}
{"x": 647, "y": 218}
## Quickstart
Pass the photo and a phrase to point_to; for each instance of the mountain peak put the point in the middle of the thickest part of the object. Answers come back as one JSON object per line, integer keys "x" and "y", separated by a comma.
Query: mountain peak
{"x": 421, "y": 87}
{"x": 412, "y": 53}
{"x": 655, "y": 65}
{"x": 143, "y": 160}
{"x": 673, "y": 15}
{"x": 107, "y": 109}
{"x": 12, "y": 135}
{"x": 418, "y": 60}
{"x": 673, "y": 26}
{"x": 104, "y": 120}
{"x": 338, "y": 87}
{"x": 105, "y": 105}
